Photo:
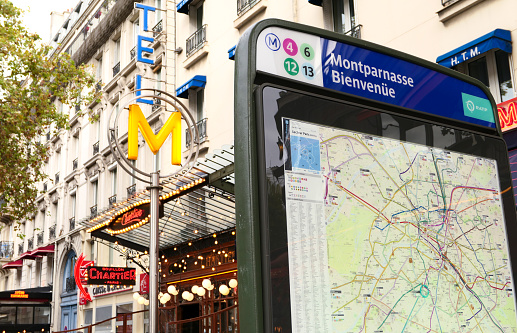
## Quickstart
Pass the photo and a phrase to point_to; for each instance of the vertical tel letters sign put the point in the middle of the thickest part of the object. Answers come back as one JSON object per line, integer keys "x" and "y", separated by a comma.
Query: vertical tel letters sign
{"x": 374, "y": 190}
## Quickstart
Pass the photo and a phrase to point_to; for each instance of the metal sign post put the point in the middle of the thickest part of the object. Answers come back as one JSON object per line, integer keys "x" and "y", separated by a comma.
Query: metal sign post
{"x": 154, "y": 180}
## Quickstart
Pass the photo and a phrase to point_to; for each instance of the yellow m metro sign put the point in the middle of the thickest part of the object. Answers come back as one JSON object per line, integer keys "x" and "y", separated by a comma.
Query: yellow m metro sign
{"x": 137, "y": 121}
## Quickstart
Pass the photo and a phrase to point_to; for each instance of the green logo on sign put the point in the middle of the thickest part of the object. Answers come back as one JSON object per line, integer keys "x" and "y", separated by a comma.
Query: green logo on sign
{"x": 476, "y": 107}
{"x": 291, "y": 66}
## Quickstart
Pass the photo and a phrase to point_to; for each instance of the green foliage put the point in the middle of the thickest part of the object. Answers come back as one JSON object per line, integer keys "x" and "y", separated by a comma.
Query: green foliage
{"x": 30, "y": 82}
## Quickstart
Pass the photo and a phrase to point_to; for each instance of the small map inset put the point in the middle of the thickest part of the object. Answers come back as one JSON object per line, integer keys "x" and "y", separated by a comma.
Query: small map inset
{"x": 305, "y": 153}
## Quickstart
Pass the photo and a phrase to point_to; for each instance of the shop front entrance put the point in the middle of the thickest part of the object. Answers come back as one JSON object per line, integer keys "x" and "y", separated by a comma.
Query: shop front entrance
{"x": 189, "y": 311}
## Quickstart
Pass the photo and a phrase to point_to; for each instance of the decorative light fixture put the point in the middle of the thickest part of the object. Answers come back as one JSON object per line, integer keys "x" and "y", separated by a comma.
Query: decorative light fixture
{"x": 223, "y": 289}
{"x": 233, "y": 283}
{"x": 206, "y": 283}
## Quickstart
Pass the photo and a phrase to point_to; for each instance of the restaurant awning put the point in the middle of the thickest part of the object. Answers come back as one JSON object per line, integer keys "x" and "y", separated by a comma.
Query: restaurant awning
{"x": 13, "y": 264}
{"x": 29, "y": 256}
{"x": 497, "y": 39}
{"x": 182, "y": 6}
{"x": 43, "y": 250}
{"x": 197, "y": 211}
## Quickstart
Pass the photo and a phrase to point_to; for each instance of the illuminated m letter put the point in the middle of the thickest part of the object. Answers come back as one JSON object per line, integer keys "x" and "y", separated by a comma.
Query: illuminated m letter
{"x": 137, "y": 122}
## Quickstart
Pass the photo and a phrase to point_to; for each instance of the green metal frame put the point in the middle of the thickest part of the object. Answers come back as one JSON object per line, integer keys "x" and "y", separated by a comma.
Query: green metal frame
{"x": 247, "y": 192}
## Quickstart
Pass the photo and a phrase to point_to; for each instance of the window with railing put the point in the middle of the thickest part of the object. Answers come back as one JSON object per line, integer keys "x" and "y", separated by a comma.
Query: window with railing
{"x": 158, "y": 28}
{"x": 132, "y": 53}
{"x": 56, "y": 178}
{"x": 112, "y": 200}
{"x": 45, "y": 187}
{"x": 196, "y": 40}
{"x": 52, "y": 232}
{"x": 75, "y": 164}
{"x": 354, "y": 32}
{"x": 157, "y": 103}
{"x": 72, "y": 223}
{"x": 449, "y": 2}
{"x": 201, "y": 128}
{"x": 244, "y": 5}
{"x": 131, "y": 190}
{"x": 6, "y": 249}
{"x": 20, "y": 249}
{"x": 93, "y": 211}
{"x": 116, "y": 68}
{"x": 96, "y": 148}
{"x": 77, "y": 108}
{"x": 98, "y": 86}
{"x": 40, "y": 238}
{"x": 30, "y": 243}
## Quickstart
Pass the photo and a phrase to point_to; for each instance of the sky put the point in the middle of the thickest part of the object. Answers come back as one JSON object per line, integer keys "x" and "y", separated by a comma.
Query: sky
{"x": 37, "y": 14}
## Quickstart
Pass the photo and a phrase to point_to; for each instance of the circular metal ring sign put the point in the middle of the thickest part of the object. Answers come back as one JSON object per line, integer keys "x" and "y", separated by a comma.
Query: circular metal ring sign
{"x": 113, "y": 137}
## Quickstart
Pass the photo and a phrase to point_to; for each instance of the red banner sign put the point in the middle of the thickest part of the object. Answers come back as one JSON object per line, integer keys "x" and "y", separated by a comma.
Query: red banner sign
{"x": 112, "y": 276}
{"x": 507, "y": 112}
{"x": 144, "y": 283}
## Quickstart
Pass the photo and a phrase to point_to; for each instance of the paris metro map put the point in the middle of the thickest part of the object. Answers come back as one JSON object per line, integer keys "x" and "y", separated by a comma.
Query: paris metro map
{"x": 392, "y": 236}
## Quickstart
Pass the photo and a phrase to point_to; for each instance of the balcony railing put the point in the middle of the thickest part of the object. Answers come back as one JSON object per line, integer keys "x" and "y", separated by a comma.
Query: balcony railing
{"x": 72, "y": 223}
{"x": 245, "y": 5}
{"x": 98, "y": 86}
{"x": 355, "y": 31}
{"x": 75, "y": 164}
{"x": 70, "y": 284}
{"x": 449, "y": 2}
{"x": 30, "y": 243}
{"x": 201, "y": 127}
{"x": 157, "y": 102}
{"x": 196, "y": 40}
{"x": 112, "y": 200}
{"x": 52, "y": 232}
{"x": 158, "y": 28}
{"x": 93, "y": 211}
{"x": 96, "y": 148}
{"x": 131, "y": 190}
{"x": 116, "y": 69}
{"x": 132, "y": 53}
{"x": 57, "y": 178}
{"x": 40, "y": 238}
{"x": 20, "y": 249}
{"x": 6, "y": 249}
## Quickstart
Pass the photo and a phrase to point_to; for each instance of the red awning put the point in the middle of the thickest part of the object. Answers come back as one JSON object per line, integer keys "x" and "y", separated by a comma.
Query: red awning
{"x": 29, "y": 256}
{"x": 43, "y": 250}
{"x": 13, "y": 264}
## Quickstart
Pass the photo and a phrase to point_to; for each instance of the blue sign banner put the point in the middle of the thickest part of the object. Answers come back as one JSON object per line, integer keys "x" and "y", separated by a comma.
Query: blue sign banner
{"x": 362, "y": 72}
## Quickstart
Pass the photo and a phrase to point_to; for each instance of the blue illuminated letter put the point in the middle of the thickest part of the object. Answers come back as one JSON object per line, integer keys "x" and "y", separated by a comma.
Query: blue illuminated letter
{"x": 146, "y": 9}
{"x": 140, "y": 48}
{"x": 138, "y": 93}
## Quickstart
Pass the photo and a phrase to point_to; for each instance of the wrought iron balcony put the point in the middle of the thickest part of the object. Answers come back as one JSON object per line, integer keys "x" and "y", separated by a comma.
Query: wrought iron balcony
{"x": 157, "y": 102}
{"x": 56, "y": 178}
{"x": 158, "y": 28}
{"x": 96, "y": 148}
{"x": 75, "y": 164}
{"x": 40, "y": 238}
{"x": 112, "y": 200}
{"x": 355, "y": 31}
{"x": 245, "y": 5}
{"x": 30, "y": 243}
{"x": 72, "y": 223}
{"x": 131, "y": 190}
{"x": 70, "y": 284}
{"x": 449, "y": 2}
{"x": 20, "y": 249}
{"x": 98, "y": 86}
{"x": 116, "y": 69}
{"x": 52, "y": 232}
{"x": 6, "y": 249}
{"x": 196, "y": 40}
{"x": 201, "y": 127}
{"x": 132, "y": 53}
{"x": 93, "y": 211}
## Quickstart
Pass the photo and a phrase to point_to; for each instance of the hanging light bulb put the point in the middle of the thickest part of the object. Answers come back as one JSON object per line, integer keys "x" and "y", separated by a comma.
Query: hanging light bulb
{"x": 233, "y": 283}
{"x": 223, "y": 289}
{"x": 160, "y": 295}
{"x": 171, "y": 289}
{"x": 163, "y": 300}
{"x": 136, "y": 296}
{"x": 175, "y": 292}
{"x": 190, "y": 297}
{"x": 201, "y": 291}
{"x": 185, "y": 295}
{"x": 146, "y": 302}
{"x": 211, "y": 287}
{"x": 194, "y": 289}
{"x": 206, "y": 283}
{"x": 141, "y": 300}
